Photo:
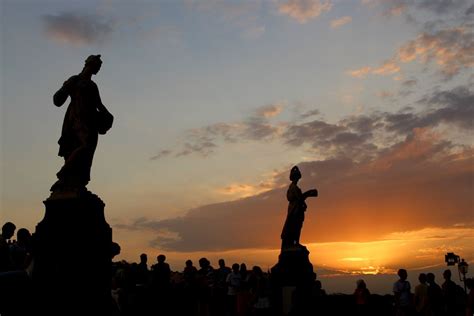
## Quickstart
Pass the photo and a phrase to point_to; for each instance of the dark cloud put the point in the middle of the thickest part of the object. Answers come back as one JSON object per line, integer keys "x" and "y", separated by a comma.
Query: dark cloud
{"x": 438, "y": 7}
{"x": 76, "y": 28}
{"x": 203, "y": 148}
{"x": 203, "y": 141}
{"x": 441, "y": 6}
{"x": 258, "y": 128}
{"x": 350, "y": 137}
{"x": 410, "y": 83}
{"x": 161, "y": 154}
{"x": 454, "y": 107}
{"x": 470, "y": 10}
{"x": 309, "y": 114}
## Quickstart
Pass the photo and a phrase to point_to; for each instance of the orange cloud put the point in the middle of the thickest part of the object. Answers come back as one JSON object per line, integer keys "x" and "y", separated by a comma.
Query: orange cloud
{"x": 304, "y": 10}
{"x": 341, "y": 21}
{"x": 360, "y": 73}
{"x": 246, "y": 190}
{"x": 452, "y": 50}
{"x": 388, "y": 68}
{"x": 270, "y": 110}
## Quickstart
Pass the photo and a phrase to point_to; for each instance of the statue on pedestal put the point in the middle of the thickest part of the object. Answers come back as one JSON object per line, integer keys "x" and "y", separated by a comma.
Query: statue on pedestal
{"x": 74, "y": 229}
{"x": 296, "y": 208}
{"x": 86, "y": 117}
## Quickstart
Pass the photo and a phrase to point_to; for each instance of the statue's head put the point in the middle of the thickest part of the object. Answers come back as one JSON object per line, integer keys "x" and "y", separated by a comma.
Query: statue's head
{"x": 295, "y": 174}
{"x": 93, "y": 62}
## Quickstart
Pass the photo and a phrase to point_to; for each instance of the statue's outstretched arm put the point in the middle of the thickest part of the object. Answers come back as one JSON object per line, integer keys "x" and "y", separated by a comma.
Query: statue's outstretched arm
{"x": 310, "y": 193}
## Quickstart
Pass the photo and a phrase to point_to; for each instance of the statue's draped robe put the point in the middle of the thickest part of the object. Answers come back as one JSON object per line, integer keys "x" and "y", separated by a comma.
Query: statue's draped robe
{"x": 295, "y": 217}
{"x": 79, "y": 132}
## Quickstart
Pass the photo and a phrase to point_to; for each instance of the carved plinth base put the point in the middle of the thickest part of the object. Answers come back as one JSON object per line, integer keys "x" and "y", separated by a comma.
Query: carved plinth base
{"x": 293, "y": 272}
{"x": 72, "y": 262}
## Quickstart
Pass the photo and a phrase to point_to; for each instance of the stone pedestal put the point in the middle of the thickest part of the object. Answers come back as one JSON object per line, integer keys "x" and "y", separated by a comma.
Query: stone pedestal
{"x": 293, "y": 271}
{"x": 72, "y": 257}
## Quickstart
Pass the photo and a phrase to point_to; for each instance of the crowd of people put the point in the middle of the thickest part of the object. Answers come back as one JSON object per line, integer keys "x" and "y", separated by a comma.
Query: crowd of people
{"x": 143, "y": 289}
{"x": 431, "y": 299}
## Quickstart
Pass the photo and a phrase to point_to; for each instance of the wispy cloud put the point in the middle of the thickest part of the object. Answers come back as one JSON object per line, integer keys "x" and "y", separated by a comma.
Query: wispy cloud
{"x": 350, "y": 137}
{"x": 451, "y": 50}
{"x": 77, "y": 28}
{"x": 341, "y": 21}
{"x": 203, "y": 141}
{"x": 304, "y": 10}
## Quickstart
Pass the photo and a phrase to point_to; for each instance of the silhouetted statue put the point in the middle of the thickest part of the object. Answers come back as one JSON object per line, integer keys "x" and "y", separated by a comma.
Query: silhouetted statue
{"x": 86, "y": 117}
{"x": 296, "y": 207}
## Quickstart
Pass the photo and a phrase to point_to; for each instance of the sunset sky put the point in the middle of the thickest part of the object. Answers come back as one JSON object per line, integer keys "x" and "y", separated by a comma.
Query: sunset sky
{"x": 214, "y": 102}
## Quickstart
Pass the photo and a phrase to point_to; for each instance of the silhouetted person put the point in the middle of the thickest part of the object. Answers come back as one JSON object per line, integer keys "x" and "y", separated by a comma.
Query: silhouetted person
{"x": 296, "y": 208}
{"x": 6, "y": 261}
{"x": 259, "y": 290}
{"x": 243, "y": 296}
{"x": 421, "y": 296}
{"x": 234, "y": 283}
{"x": 449, "y": 293}
{"x": 220, "y": 288}
{"x": 142, "y": 270}
{"x": 161, "y": 273}
{"x": 190, "y": 273}
{"x": 21, "y": 250}
{"x": 190, "y": 288}
{"x": 402, "y": 294}
{"x": 161, "y": 282}
{"x": 361, "y": 296}
{"x": 435, "y": 296}
{"x": 205, "y": 282}
{"x": 86, "y": 117}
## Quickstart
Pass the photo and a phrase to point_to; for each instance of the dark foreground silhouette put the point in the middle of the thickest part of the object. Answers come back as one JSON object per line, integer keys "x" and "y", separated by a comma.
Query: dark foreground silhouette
{"x": 137, "y": 289}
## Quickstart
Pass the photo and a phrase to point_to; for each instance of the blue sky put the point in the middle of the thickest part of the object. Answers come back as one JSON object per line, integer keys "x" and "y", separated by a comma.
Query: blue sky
{"x": 215, "y": 100}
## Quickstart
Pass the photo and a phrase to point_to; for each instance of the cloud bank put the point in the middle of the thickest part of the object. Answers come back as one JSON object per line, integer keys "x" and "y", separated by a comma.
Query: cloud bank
{"x": 380, "y": 173}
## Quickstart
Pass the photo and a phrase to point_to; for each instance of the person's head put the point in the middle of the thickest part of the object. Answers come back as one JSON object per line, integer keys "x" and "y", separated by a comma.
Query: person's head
{"x": 8, "y": 230}
{"x": 402, "y": 273}
{"x": 422, "y": 278}
{"x": 23, "y": 236}
{"x": 447, "y": 275}
{"x": 295, "y": 174}
{"x": 204, "y": 263}
{"x": 243, "y": 267}
{"x": 430, "y": 278}
{"x": 257, "y": 270}
{"x": 93, "y": 64}
{"x": 189, "y": 263}
{"x": 361, "y": 284}
{"x": 143, "y": 258}
{"x": 221, "y": 263}
{"x": 161, "y": 258}
{"x": 235, "y": 267}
